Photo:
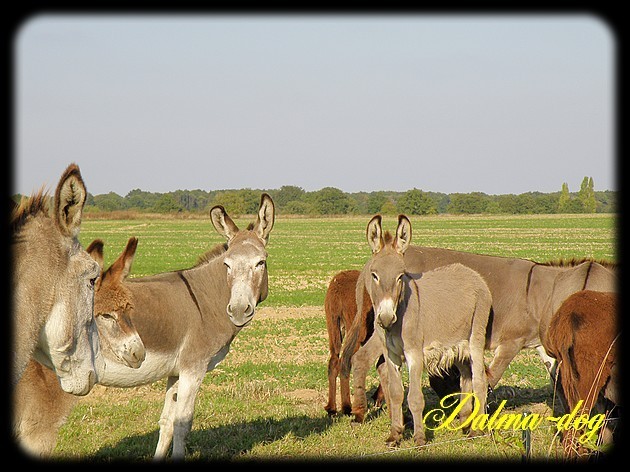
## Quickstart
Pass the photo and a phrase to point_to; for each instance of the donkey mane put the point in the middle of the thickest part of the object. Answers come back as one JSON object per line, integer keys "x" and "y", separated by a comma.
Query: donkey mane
{"x": 574, "y": 261}
{"x": 212, "y": 254}
{"x": 28, "y": 206}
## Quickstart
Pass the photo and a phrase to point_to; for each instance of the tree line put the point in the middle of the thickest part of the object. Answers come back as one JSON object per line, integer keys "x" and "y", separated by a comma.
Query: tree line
{"x": 333, "y": 201}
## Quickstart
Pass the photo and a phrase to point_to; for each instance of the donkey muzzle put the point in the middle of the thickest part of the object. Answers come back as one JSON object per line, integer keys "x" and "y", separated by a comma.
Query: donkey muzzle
{"x": 133, "y": 353}
{"x": 386, "y": 313}
{"x": 241, "y": 307}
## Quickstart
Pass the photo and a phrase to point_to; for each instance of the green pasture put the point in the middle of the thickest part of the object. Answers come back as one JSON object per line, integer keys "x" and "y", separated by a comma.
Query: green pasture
{"x": 265, "y": 401}
{"x": 304, "y": 253}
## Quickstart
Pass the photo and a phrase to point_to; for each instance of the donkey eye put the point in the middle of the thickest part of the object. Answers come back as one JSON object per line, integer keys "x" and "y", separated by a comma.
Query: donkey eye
{"x": 228, "y": 267}
{"x": 261, "y": 264}
{"x": 375, "y": 277}
{"x": 93, "y": 281}
{"x": 107, "y": 316}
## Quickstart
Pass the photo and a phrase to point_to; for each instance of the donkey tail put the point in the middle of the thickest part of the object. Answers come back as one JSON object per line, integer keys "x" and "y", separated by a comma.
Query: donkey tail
{"x": 562, "y": 343}
{"x": 333, "y": 325}
{"x": 350, "y": 346}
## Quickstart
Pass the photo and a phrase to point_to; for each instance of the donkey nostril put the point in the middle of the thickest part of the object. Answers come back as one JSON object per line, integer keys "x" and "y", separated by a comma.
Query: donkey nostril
{"x": 92, "y": 378}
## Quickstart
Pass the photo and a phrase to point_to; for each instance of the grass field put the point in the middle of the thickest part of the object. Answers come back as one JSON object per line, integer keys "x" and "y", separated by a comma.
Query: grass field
{"x": 265, "y": 401}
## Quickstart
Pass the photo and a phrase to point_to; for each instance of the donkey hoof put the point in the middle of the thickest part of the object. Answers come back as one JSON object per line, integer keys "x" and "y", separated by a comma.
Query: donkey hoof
{"x": 472, "y": 433}
{"x": 419, "y": 441}
{"x": 358, "y": 418}
{"x": 346, "y": 410}
{"x": 392, "y": 442}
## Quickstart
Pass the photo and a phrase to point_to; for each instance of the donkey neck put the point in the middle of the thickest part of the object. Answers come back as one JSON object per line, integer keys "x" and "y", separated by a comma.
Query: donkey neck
{"x": 208, "y": 282}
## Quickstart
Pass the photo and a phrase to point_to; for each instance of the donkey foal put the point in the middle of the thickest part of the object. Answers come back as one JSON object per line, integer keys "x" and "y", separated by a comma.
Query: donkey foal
{"x": 431, "y": 320}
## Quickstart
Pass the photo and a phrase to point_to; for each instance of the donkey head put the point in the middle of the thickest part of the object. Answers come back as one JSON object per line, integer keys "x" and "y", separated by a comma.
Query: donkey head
{"x": 112, "y": 301}
{"x": 54, "y": 269}
{"x": 386, "y": 268}
{"x": 245, "y": 260}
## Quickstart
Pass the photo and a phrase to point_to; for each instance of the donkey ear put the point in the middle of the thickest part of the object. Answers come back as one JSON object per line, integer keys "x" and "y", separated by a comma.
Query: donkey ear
{"x": 128, "y": 255}
{"x": 375, "y": 234}
{"x": 95, "y": 250}
{"x": 222, "y": 222}
{"x": 403, "y": 234}
{"x": 70, "y": 197}
{"x": 121, "y": 267}
{"x": 266, "y": 218}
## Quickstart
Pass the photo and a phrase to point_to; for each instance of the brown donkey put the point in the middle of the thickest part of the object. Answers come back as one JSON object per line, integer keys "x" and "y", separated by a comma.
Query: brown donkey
{"x": 40, "y": 406}
{"x": 431, "y": 321}
{"x": 52, "y": 287}
{"x": 340, "y": 306}
{"x": 584, "y": 337}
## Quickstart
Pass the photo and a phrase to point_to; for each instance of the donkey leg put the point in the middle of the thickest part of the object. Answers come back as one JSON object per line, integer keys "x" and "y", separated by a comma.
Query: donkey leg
{"x": 333, "y": 372}
{"x": 361, "y": 362}
{"x": 346, "y": 404}
{"x": 166, "y": 419}
{"x": 503, "y": 355}
{"x": 465, "y": 382}
{"x": 38, "y": 436}
{"x": 189, "y": 384}
{"x": 479, "y": 382}
{"x": 415, "y": 397}
{"x": 550, "y": 362}
{"x": 396, "y": 396}
{"x": 381, "y": 393}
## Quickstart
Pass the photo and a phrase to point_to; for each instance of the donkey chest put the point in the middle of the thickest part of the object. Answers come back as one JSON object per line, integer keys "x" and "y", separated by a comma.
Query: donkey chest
{"x": 217, "y": 358}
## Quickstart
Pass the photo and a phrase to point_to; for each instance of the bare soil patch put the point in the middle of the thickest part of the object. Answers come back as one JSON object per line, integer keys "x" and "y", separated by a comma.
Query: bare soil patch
{"x": 282, "y": 312}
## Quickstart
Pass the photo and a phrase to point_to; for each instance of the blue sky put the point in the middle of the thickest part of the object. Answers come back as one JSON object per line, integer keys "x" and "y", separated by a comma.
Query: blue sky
{"x": 489, "y": 103}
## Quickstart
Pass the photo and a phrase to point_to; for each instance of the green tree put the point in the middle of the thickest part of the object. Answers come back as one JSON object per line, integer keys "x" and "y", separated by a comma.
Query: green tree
{"x": 375, "y": 202}
{"x": 545, "y": 203}
{"x": 508, "y": 203}
{"x": 331, "y": 201}
{"x": 89, "y": 200}
{"x": 232, "y": 201}
{"x": 166, "y": 203}
{"x": 109, "y": 202}
{"x": 298, "y": 207}
{"x": 493, "y": 207}
{"x": 574, "y": 206}
{"x": 526, "y": 203}
{"x": 287, "y": 194}
{"x": 416, "y": 202}
{"x": 388, "y": 208}
{"x": 468, "y": 203}
{"x": 251, "y": 200}
{"x": 138, "y": 199}
{"x": 564, "y": 199}
{"x": 587, "y": 195}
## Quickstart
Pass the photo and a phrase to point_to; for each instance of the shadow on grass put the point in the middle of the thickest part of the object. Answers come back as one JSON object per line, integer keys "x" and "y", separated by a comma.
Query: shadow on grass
{"x": 231, "y": 441}
{"x": 222, "y": 443}
{"x": 516, "y": 397}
